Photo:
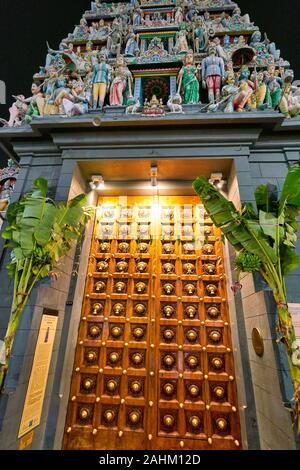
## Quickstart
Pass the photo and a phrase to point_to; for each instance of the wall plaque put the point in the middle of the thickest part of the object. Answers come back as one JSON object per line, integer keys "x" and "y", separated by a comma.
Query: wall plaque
{"x": 26, "y": 440}
{"x": 258, "y": 342}
{"x": 34, "y": 400}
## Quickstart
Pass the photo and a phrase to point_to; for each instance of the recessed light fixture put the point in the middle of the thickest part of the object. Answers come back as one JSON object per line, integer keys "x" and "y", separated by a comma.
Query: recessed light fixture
{"x": 217, "y": 180}
{"x": 153, "y": 175}
{"x": 97, "y": 182}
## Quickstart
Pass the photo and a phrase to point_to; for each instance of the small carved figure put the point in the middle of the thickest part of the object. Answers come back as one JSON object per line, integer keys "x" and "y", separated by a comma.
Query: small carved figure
{"x": 274, "y": 87}
{"x": 133, "y": 108}
{"x": 175, "y": 103}
{"x": 220, "y": 49}
{"x": 181, "y": 45}
{"x": 200, "y": 35}
{"x": 137, "y": 17}
{"x": 114, "y": 41}
{"x": 122, "y": 80}
{"x": 132, "y": 45}
{"x": 290, "y": 101}
{"x": 154, "y": 107}
{"x": 81, "y": 31}
{"x": 179, "y": 15}
{"x": 260, "y": 90}
{"x": 76, "y": 102}
{"x": 246, "y": 90}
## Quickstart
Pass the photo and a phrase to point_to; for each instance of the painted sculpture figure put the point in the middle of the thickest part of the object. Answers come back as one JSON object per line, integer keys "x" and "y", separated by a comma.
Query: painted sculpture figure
{"x": 188, "y": 81}
{"x": 181, "y": 45}
{"x": 23, "y": 109}
{"x": 132, "y": 45}
{"x": 200, "y": 35}
{"x": 100, "y": 81}
{"x": 213, "y": 73}
{"x": 122, "y": 81}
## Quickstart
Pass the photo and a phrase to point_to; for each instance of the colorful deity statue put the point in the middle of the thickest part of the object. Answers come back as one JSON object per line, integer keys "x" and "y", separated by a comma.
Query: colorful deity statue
{"x": 260, "y": 90}
{"x": 175, "y": 103}
{"x": 80, "y": 61}
{"x": 132, "y": 45}
{"x": 246, "y": 90}
{"x": 122, "y": 81}
{"x": 200, "y": 35}
{"x": 88, "y": 53}
{"x": 114, "y": 41}
{"x": 238, "y": 18}
{"x": 137, "y": 17}
{"x": 213, "y": 73}
{"x": 216, "y": 42}
{"x": 179, "y": 15}
{"x": 188, "y": 80}
{"x": 181, "y": 45}
{"x": 88, "y": 83}
{"x": 255, "y": 39}
{"x": 229, "y": 93}
{"x": 81, "y": 31}
{"x": 99, "y": 31}
{"x": 57, "y": 84}
{"x": 290, "y": 102}
{"x": 274, "y": 87}
{"x": 74, "y": 101}
{"x": 100, "y": 82}
{"x": 55, "y": 57}
{"x": 154, "y": 107}
{"x": 23, "y": 109}
{"x": 191, "y": 11}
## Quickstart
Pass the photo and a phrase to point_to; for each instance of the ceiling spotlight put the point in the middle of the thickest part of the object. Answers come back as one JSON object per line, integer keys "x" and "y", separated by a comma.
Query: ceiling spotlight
{"x": 153, "y": 174}
{"x": 217, "y": 180}
{"x": 97, "y": 182}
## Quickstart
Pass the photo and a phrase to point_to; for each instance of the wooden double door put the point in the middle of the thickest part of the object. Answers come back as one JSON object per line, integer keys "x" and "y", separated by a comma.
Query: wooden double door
{"x": 154, "y": 366}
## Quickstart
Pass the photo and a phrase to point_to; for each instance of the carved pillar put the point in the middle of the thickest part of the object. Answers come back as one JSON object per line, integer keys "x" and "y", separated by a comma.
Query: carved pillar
{"x": 143, "y": 45}
{"x": 173, "y": 85}
{"x": 137, "y": 88}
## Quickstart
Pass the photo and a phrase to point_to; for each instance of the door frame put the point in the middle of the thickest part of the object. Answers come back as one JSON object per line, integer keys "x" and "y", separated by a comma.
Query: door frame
{"x": 173, "y": 187}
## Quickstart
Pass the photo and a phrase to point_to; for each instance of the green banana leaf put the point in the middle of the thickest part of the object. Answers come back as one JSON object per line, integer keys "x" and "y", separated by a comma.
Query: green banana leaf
{"x": 39, "y": 234}
{"x": 240, "y": 232}
{"x": 290, "y": 194}
{"x": 289, "y": 259}
{"x": 41, "y": 184}
{"x": 266, "y": 197}
{"x": 43, "y": 231}
{"x": 272, "y": 226}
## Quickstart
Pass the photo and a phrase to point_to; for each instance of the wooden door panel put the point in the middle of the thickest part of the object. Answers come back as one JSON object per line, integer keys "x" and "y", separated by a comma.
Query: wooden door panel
{"x": 154, "y": 366}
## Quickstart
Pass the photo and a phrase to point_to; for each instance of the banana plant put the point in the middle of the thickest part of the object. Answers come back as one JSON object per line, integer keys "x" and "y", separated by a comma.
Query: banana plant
{"x": 265, "y": 240}
{"x": 39, "y": 233}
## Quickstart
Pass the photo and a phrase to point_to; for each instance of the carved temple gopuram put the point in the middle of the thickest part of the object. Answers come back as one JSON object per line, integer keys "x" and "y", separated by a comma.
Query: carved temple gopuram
{"x": 152, "y": 349}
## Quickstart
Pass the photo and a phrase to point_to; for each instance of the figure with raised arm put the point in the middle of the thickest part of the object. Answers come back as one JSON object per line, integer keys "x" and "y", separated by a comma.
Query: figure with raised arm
{"x": 23, "y": 109}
